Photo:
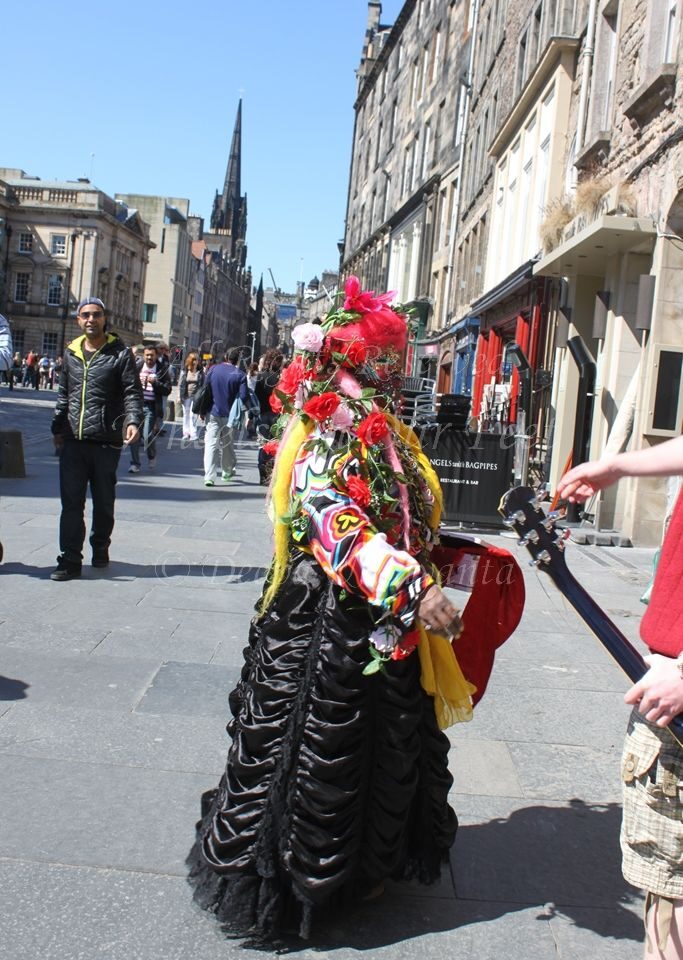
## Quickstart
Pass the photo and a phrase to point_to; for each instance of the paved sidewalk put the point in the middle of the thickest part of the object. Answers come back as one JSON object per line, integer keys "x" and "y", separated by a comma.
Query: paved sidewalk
{"x": 113, "y": 704}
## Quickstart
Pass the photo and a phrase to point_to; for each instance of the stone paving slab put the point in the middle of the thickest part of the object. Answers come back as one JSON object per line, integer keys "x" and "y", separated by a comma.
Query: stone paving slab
{"x": 195, "y": 744}
{"x": 554, "y": 771}
{"x": 511, "y": 849}
{"x": 99, "y": 814}
{"x": 55, "y": 912}
{"x": 192, "y": 689}
{"x": 549, "y": 716}
{"x": 65, "y": 680}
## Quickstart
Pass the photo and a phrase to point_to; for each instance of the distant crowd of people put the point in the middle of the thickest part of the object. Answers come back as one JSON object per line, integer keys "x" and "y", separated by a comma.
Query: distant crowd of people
{"x": 33, "y": 371}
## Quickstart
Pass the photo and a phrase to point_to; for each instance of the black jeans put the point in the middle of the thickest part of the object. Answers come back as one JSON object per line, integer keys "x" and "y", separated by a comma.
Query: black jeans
{"x": 81, "y": 463}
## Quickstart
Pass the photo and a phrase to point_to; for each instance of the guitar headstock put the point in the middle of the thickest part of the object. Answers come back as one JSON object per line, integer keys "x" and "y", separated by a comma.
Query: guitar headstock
{"x": 521, "y": 510}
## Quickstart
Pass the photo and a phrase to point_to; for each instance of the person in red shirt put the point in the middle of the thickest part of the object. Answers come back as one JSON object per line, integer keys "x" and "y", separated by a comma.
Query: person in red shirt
{"x": 652, "y": 765}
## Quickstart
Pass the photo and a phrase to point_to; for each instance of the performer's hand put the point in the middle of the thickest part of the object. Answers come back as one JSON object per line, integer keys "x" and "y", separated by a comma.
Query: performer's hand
{"x": 659, "y": 694}
{"x": 438, "y": 613}
{"x": 58, "y": 441}
{"x": 580, "y": 483}
{"x": 132, "y": 433}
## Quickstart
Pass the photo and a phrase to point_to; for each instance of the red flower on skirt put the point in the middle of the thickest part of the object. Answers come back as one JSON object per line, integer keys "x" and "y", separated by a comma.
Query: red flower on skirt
{"x": 270, "y": 448}
{"x": 359, "y": 490}
{"x": 323, "y": 406}
{"x": 373, "y": 429}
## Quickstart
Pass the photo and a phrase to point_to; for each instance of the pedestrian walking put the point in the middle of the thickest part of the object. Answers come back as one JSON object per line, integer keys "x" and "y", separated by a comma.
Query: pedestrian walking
{"x": 191, "y": 379}
{"x": 652, "y": 762}
{"x": 156, "y": 385}
{"x": 228, "y": 383}
{"x": 337, "y": 777}
{"x": 99, "y": 408}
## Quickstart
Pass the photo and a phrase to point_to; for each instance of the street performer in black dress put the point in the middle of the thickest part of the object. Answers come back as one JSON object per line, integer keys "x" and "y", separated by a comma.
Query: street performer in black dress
{"x": 337, "y": 776}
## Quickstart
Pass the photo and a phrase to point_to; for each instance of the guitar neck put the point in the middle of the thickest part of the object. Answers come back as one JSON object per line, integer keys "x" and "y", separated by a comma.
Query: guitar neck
{"x": 621, "y": 649}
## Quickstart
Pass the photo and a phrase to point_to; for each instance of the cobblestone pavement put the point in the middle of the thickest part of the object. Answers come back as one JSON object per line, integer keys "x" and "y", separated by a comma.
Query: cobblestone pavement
{"x": 113, "y": 703}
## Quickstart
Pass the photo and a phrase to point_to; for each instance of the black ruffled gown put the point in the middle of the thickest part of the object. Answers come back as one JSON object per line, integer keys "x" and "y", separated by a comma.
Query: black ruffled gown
{"x": 334, "y": 782}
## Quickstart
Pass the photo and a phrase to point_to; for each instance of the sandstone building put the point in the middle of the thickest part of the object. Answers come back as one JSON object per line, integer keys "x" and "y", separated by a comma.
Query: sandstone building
{"x": 64, "y": 241}
{"x": 541, "y": 240}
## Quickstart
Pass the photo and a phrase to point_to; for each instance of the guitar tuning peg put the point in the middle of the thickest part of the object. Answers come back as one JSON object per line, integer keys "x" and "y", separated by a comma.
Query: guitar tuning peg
{"x": 543, "y": 557}
{"x": 522, "y": 542}
{"x": 553, "y": 514}
{"x": 519, "y": 516}
{"x": 532, "y": 536}
{"x": 535, "y": 563}
{"x": 508, "y": 522}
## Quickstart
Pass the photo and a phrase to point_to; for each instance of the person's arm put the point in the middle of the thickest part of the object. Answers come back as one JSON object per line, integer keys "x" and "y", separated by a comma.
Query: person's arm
{"x": 59, "y": 420}
{"x": 582, "y": 482}
{"x": 355, "y": 555}
{"x": 163, "y": 384}
{"x": 132, "y": 396}
{"x": 5, "y": 344}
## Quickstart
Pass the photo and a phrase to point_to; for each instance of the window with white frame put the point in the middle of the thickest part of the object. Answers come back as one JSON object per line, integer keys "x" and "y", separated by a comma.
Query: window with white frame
{"x": 426, "y": 147}
{"x": 415, "y": 164}
{"x": 520, "y": 77}
{"x": 55, "y": 286}
{"x": 670, "y": 32}
{"x": 22, "y": 283}
{"x": 612, "y": 47}
{"x": 58, "y": 244}
{"x": 436, "y": 56}
{"x": 460, "y": 120}
{"x": 50, "y": 341}
{"x": 26, "y": 242}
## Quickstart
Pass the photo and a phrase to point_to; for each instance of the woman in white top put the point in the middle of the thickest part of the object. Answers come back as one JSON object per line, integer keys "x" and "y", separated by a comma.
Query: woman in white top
{"x": 191, "y": 380}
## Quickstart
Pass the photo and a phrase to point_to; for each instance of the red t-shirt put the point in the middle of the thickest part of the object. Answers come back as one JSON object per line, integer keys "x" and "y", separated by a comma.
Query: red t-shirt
{"x": 662, "y": 626}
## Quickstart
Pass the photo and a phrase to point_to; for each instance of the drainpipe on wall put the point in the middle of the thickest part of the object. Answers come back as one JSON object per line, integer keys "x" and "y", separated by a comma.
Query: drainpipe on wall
{"x": 586, "y": 73}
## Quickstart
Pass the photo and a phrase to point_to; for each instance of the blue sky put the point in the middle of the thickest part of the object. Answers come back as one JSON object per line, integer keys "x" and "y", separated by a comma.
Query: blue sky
{"x": 152, "y": 90}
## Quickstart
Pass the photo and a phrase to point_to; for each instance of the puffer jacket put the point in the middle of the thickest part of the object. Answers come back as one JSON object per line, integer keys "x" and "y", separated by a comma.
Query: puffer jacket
{"x": 97, "y": 400}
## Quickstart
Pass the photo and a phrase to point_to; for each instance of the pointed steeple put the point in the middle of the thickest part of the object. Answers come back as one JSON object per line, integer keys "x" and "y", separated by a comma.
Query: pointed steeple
{"x": 228, "y": 203}
{"x": 229, "y": 214}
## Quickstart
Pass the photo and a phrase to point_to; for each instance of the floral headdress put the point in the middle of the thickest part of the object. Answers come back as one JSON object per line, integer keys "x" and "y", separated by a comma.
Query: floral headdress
{"x": 344, "y": 376}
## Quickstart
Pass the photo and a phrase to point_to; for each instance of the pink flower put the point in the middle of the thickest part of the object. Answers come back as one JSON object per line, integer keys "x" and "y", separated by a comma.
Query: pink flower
{"x": 308, "y": 336}
{"x": 364, "y": 301}
{"x": 342, "y": 418}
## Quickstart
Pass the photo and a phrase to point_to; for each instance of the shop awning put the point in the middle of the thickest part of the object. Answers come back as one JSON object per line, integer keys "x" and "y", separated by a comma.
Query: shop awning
{"x": 587, "y": 252}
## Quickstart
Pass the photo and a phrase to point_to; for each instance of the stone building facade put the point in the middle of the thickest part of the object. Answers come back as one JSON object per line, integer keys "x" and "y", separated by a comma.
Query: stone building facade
{"x": 564, "y": 133}
{"x": 405, "y": 157}
{"x": 617, "y": 262}
{"x": 64, "y": 241}
{"x": 166, "y": 308}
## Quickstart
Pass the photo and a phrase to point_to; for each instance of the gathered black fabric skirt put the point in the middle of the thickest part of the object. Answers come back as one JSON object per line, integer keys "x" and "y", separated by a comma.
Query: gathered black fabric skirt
{"x": 334, "y": 781}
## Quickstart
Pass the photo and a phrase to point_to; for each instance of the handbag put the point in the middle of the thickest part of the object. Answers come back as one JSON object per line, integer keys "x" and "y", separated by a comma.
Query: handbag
{"x": 202, "y": 401}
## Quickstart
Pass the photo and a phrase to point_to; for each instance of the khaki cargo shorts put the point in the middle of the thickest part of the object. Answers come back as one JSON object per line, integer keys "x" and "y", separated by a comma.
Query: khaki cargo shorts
{"x": 652, "y": 824}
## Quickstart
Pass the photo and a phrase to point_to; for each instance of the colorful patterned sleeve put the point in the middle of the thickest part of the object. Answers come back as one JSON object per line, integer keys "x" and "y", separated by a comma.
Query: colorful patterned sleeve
{"x": 345, "y": 543}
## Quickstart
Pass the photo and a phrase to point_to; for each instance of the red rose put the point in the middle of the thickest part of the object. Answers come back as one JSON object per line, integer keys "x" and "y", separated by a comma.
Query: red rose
{"x": 271, "y": 447}
{"x": 355, "y": 354}
{"x": 373, "y": 429}
{"x": 406, "y": 645}
{"x": 292, "y": 376}
{"x": 359, "y": 490}
{"x": 322, "y": 407}
{"x": 275, "y": 403}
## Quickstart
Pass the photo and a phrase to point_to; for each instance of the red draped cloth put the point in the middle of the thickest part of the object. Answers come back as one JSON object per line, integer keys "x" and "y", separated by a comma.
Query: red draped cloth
{"x": 495, "y": 605}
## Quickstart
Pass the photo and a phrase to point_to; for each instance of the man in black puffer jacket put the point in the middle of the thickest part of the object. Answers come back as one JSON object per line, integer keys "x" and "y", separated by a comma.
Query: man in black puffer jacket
{"x": 99, "y": 408}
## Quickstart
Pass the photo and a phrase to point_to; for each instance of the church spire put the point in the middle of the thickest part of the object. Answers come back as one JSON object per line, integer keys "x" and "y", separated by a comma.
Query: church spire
{"x": 229, "y": 214}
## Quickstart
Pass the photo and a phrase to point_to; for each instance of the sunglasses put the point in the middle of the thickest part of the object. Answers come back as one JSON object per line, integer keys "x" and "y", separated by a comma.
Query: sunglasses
{"x": 95, "y": 313}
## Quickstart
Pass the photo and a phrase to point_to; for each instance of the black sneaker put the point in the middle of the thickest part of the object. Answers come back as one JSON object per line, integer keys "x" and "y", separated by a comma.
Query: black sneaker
{"x": 100, "y": 559}
{"x": 65, "y": 570}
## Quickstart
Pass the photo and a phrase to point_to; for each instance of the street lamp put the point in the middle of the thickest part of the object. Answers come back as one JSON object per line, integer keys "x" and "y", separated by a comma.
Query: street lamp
{"x": 253, "y": 345}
